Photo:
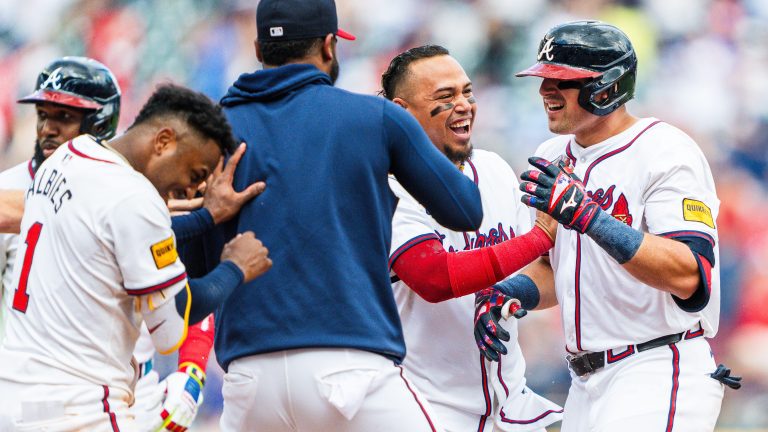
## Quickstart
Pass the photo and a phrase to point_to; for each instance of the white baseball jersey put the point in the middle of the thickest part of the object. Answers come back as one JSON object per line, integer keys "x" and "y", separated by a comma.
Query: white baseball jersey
{"x": 96, "y": 244}
{"x": 18, "y": 177}
{"x": 654, "y": 178}
{"x": 443, "y": 360}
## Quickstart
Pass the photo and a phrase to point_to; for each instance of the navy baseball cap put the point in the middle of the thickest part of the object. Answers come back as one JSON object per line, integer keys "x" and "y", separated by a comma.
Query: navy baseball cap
{"x": 278, "y": 20}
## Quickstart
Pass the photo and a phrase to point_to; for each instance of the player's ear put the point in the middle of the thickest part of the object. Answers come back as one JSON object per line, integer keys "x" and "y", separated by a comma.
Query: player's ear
{"x": 401, "y": 102}
{"x": 327, "y": 50}
{"x": 165, "y": 139}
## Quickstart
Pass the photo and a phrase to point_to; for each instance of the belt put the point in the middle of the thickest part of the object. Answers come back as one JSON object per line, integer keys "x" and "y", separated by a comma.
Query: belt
{"x": 585, "y": 364}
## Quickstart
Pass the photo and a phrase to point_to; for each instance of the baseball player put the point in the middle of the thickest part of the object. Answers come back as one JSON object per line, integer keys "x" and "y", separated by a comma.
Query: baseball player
{"x": 635, "y": 266}
{"x": 318, "y": 342}
{"x": 97, "y": 256}
{"x": 431, "y": 263}
{"x": 77, "y": 95}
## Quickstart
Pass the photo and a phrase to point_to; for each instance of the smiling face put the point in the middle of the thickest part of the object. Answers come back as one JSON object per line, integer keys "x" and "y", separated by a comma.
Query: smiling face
{"x": 561, "y": 103}
{"x": 437, "y": 91}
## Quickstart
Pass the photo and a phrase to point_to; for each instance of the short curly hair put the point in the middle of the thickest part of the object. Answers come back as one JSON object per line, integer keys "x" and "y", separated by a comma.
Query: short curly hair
{"x": 398, "y": 67}
{"x": 195, "y": 108}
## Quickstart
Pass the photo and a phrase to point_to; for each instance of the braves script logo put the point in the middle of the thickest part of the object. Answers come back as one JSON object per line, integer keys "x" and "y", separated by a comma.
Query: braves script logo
{"x": 53, "y": 81}
{"x": 603, "y": 198}
{"x": 479, "y": 240}
{"x": 546, "y": 50}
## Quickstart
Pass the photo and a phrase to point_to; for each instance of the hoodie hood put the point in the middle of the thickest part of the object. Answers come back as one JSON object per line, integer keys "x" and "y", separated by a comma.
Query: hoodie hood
{"x": 272, "y": 84}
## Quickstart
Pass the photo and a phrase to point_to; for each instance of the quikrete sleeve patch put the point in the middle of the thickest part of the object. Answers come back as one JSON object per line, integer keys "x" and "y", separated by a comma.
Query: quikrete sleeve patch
{"x": 697, "y": 211}
{"x": 164, "y": 253}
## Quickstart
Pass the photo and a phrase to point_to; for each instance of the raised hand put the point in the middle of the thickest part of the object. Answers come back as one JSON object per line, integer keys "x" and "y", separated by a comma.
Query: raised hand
{"x": 220, "y": 198}
{"x": 558, "y": 192}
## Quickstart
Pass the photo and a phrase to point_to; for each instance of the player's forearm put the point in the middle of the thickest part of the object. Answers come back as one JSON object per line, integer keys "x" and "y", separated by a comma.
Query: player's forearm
{"x": 437, "y": 275}
{"x": 209, "y": 291}
{"x": 541, "y": 273}
{"x": 667, "y": 265}
{"x": 11, "y": 211}
{"x": 661, "y": 263}
{"x": 191, "y": 225}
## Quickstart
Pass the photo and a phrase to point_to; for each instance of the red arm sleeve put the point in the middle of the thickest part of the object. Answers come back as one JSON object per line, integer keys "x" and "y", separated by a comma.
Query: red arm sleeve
{"x": 197, "y": 347}
{"x": 437, "y": 275}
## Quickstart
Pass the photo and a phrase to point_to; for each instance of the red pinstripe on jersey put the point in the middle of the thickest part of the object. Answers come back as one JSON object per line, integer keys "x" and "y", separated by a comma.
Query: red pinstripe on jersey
{"x": 675, "y": 387}
{"x": 486, "y": 393}
{"x": 416, "y": 398}
{"x": 577, "y": 286}
{"x": 158, "y": 287}
{"x": 105, "y": 404}
{"x": 83, "y": 155}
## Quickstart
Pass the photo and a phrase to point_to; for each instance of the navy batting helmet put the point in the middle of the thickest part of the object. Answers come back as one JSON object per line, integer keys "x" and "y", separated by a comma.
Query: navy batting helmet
{"x": 592, "y": 50}
{"x": 82, "y": 83}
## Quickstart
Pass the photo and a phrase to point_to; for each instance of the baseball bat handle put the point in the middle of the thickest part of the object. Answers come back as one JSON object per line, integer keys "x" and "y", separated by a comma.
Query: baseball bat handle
{"x": 512, "y": 308}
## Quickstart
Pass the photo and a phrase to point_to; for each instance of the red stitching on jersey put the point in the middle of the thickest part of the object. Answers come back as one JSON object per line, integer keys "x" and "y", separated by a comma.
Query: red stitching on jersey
{"x": 166, "y": 284}
{"x": 675, "y": 387}
{"x": 408, "y": 385}
{"x": 83, "y": 155}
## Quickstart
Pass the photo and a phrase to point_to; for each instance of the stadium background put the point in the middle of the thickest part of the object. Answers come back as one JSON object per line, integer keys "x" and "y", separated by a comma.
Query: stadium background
{"x": 702, "y": 67}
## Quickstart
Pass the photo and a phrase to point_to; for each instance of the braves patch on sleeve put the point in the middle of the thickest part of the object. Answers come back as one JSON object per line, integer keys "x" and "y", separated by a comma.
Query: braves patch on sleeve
{"x": 697, "y": 211}
{"x": 164, "y": 253}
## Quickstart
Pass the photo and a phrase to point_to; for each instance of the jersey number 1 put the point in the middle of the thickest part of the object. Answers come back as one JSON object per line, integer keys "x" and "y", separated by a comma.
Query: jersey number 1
{"x": 21, "y": 298}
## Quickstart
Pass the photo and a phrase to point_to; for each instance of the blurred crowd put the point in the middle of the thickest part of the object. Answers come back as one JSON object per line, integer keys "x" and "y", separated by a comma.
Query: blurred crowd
{"x": 702, "y": 68}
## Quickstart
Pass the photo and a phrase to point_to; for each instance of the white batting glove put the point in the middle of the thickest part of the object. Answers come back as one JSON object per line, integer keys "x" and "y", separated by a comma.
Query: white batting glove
{"x": 183, "y": 396}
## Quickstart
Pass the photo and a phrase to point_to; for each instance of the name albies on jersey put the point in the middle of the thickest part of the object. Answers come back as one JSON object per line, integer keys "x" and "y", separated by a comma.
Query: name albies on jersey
{"x": 96, "y": 248}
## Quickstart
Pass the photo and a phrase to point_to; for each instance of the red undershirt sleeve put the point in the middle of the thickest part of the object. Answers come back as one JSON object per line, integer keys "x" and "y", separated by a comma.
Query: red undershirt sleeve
{"x": 437, "y": 275}
{"x": 197, "y": 347}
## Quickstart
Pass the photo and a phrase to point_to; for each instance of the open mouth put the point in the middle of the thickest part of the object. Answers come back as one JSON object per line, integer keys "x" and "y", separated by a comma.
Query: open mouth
{"x": 554, "y": 106}
{"x": 460, "y": 127}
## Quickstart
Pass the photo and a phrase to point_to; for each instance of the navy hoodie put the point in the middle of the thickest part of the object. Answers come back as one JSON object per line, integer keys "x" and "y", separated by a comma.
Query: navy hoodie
{"x": 326, "y": 214}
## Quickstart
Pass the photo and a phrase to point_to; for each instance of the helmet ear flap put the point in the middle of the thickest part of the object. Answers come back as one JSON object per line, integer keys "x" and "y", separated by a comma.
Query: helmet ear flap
{"x": 617, "y": 85}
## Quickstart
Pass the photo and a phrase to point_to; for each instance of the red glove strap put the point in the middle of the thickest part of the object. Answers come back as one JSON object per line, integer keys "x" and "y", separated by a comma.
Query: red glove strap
{"x": 197, "y": 347}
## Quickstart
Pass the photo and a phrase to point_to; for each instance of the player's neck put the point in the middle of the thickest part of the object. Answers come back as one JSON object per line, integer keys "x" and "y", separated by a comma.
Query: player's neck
{"x": 605, "y": 127}
{"x": 124, "y": 146}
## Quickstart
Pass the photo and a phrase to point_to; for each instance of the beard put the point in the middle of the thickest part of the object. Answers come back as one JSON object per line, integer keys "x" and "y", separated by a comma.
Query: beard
{"x": 458, "y": 156}
{"x": 38, "y": 157}
{"x": 334, "y": 69}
